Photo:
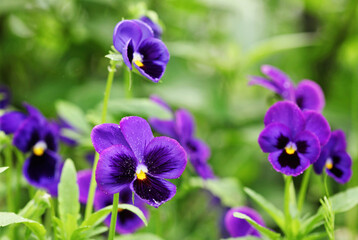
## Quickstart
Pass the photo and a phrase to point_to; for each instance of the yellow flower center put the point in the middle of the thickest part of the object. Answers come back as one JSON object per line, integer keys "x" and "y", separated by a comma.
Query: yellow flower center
{"x": 329, "y": 164}
{"x": 39, "y": 148}
{"x": 137, "y": 59}
{"x": 139, "y": 63}
{"x": 141, "y": 175}
{"x": 290, "y": 148}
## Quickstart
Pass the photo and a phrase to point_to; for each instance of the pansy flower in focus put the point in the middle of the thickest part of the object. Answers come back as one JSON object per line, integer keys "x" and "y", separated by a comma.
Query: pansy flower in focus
{"x": 307, "y": 94}
{"x": 240, "y": 227}
{"x": 182, "y": 128}
{"x": 135, "y": 40}
{"x": 157, "y": 30}
{"x": 130, "y": 156}
{"x": 335, "y": 159}
{"x": 127, "y": 222}
{"x": 4, "y": 97}
{"x": 292, "y": 137}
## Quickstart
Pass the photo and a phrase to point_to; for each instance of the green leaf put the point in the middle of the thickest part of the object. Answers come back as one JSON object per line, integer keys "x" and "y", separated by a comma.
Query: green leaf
{"x": 311, "y": 223}
{"x": 68, "y": 196}
{"x": 227, "y": 189}
{"x": 316, "y": 236}
{"x": 274, "y": 212}
{"x": 138, "y": 107}
{"x": 97, "y": 217}
{"x": 344, "y": 201}
{"x": 265, "y": 231}
{"x": 139, "y": 236}
{"x": 115, "y": 57}
{"x": 73, "y": 115}
{"x": 7, "y": 218}
{"x": 134, "y": 210}
{"x": 2, "y": 169}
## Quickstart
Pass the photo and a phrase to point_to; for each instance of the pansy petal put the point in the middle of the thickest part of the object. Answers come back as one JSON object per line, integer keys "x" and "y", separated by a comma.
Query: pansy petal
{"x": 116, "y": 169}
{"x": 309, "y": 95}
{"x": 165, "y": 158}
{"x": 292, "y": 165}
{"x": 83, "y": 181}
{"x": 318, "y": 125}
{"x": 338, "y": 141}
{"x": 123, "y": 32}
{"x": 34, "y": 112}
{"x": 147, "y": 31}
{"x": 202, "y": 168}
{"x": 308, "y": 145}
{"x": 153, "y": 70}
{"x": 42, "y": 171}
{"x": 341, "y": 171}
{"x": 10, "y": 121}
{"x": 27, "y": 134}
{"x": 106, "y": 135}
{"x": 321, "y": 161}
{"x": 157, "y": 30}
{"x": 240, "y": 227}
{"x": 137, "y": 133}
{"x": 50, "y": 137}
{"x": 154, "y": 191}
{"x": 127, "y": 54}
{"x": 160, "y": 102}
{"x": 268, "y": 84}
{"x": 274, "y": 137}
{"x": 197, "y": 148}
{"x": 164, "y": 127}
{"x": 288, "y": 114}
{"x": 185, "y": 124}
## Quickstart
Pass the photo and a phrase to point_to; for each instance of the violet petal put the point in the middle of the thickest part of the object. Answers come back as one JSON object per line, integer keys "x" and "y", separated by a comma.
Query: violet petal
{"x": 274, "y": 137}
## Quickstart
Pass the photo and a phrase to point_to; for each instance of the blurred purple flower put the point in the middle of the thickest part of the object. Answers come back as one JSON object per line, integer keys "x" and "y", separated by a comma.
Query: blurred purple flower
{"x": 61, "y": 124}
{"x": 131, "y": 156}
{"x": 127, "y": 222}
{"x": 182, "y": 128}
{"x": 240, "y": 227}
{"x": 335, "y": 158}
{"x": 292, "y": 137}
{"x": 134, "y": 39}
{"x": 5, "y": 96}
{"x": 157, "y": 30}
{"x": 307, "y": 94}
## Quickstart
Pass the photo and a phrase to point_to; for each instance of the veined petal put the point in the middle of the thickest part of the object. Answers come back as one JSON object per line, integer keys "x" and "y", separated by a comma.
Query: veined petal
{"x": 10, "y": 121}
{"x": 137, "y": 133}
{"x": 106, "y": 135}
{"x": 309, "y": 95}
{"x": 288, "y": 114}
{"x": 274, "y": 137}
{"x": 27, "y": 134}
{"x": 318, "y": 125}
{"x": 116, "y": 169}
{"x": 164, "y": 127}
{"x": 308, "y": 145}
{"x": 83, "y": 181}
{"x": 154, "y": 191}
{"x": 165, "y": 158}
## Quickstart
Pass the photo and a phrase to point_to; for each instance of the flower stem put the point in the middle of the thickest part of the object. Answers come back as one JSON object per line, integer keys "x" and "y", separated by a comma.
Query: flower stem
{"x": 128, "y": 83}
{"x": 112, "y": 227}
{"x": 288, "y": 180}
{"x": 9, "y": 173}
{"x": 93, "y": 184}
{"x": 303, "y": 190}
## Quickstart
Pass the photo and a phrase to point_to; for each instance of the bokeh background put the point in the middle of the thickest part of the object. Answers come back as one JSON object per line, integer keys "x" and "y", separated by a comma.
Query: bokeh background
{"x": 54, "y": 50}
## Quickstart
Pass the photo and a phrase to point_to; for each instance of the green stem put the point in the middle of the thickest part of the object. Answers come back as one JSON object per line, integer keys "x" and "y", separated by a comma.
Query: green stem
{"x": 93, "y": 183}
{"x": 9, "y": 172}
{"x": 288, "y": 219}
{"x": 112, "y": 228}
{"x": 128, "y": 83}
{"x": 19, "y": 164}
{"x": 303, "y": 190}
{"x": 325, "y": 184}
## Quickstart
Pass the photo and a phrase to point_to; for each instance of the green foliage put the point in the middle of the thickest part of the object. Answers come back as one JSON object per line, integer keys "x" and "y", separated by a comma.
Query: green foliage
{"x": 328, "y": 217}
{"x": 2, "y": 169}
{"x": 73, "y": 115}
{"x": 139, "y": 236}
{"x": 36, "y": 207}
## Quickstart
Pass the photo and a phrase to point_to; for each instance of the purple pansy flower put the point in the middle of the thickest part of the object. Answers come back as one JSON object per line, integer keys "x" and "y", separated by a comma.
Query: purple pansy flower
{"x": 182, "y": 128}
{"x": 4, "y": 97}
{"x": 335, "y": 158}
{"x": 307, "y": 94}
{"x": 292, "y": 137}
{"x": 240, "y": 227}
{"x": 129, "y": 155}
{"x": 134, "y": 39}
{"x": 157, "y": 30}
{"x": 127, "y": 222}
{"x": 61, "y": 124}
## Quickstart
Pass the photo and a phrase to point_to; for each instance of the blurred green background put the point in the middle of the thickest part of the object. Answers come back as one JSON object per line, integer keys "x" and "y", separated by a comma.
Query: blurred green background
{"x": 54, "y": 49}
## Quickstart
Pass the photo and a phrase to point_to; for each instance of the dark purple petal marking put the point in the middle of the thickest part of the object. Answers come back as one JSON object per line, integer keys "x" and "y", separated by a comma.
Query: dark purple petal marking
{"x": 165, "y": 158}
{"x": 309, "y": 95}
{"x": 308, "y": 145}
{"x": 185, "y": 124}
{"x": 240, "y": 227}
{"x": 289, "y": 164}
{"x": 164, "y": 127}
{"x": 116, "y": 169}
{"x": 318, "y": 125}
{"x": 274, "y": 137}
{"x": 152, "y": 70}
{"x": 11, "y": 121}
{"x": 137, "y": 133}
{"x": 341, "y": 168}
{"x": 106, "y": 135}
{"x": 288, "y": 114}
{"x": 27, "y": 135}
{"x": 154, "y": 191}
{"x": 128, "y": 52}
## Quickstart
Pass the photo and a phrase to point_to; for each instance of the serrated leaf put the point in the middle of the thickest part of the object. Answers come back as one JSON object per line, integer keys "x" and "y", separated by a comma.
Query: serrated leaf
{"x": 139, "y": 236}
{"x": 97, "y": 217}
{"x": 68, "y": 195}
{"x": 2, "y": 169}
{"x": 73, "y": 115}
{"x": 344, "y": 201}
{"x": 138, "y": 107}
{"x": 265, "y": 231}
{"x": 275, "y": 213}
{"x": 7, "y": 218}
{"x": 227, "y": 189}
